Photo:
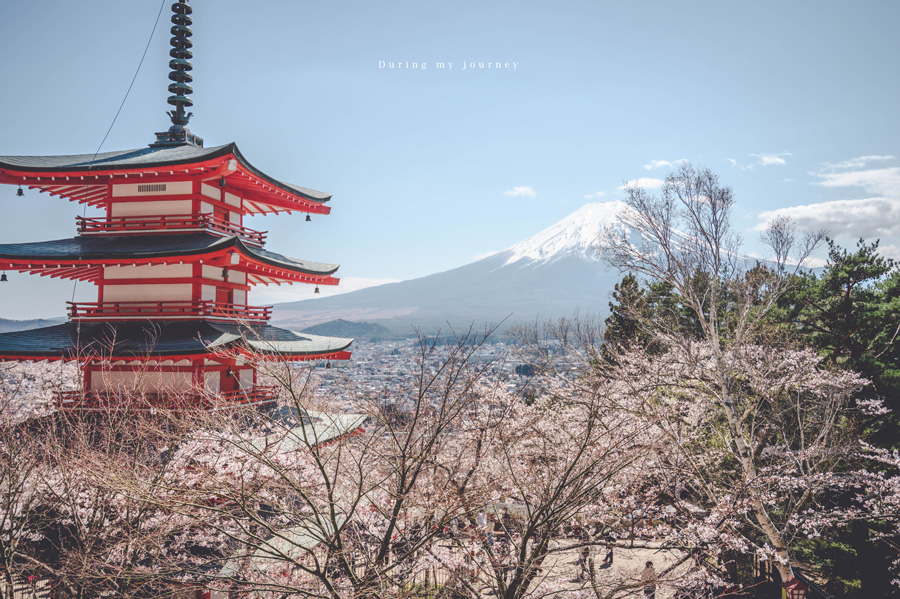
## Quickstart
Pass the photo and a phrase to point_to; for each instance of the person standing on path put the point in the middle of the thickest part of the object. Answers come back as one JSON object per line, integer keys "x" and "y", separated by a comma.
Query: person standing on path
{"x": 584, "y": 563}
{"x": 608, "y": 560}
{"x": 648, "y": 579}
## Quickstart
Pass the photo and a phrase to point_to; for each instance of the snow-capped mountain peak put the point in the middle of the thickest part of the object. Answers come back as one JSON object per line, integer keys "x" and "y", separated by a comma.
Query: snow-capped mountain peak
{"x": 578, "y": 233}
{"x": 549, "y": 275}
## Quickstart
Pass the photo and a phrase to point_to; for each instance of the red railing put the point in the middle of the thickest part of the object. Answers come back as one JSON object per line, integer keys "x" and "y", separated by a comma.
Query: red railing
{"x": 173, "y": 310}
{"x": 106, "y": 400}
{"x": 156, "y": 224}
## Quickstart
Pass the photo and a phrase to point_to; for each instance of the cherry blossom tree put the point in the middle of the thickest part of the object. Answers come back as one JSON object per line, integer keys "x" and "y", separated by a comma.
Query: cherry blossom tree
{"x": 554, "y": 465}
{"x": 454, "y": 476}
{"x": 107, "y": 536}
{"x": 297, "y": 500}
{"x": 21, "y": 513}
{"x": 771, "y": 414}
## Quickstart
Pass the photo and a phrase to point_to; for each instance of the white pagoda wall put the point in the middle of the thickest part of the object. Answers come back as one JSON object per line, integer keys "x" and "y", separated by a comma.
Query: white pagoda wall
{"x": 149, "y": 292}
{"x": 234, "y": 216}
{"x": 208, "y": 292}
{"x": 210, "y": 191}
{"x": 157, "y": 205}
{"x": 150, "y": 189}
{"x": 148, "y": 381}
{"x": 176, "y": 207}
{"x": 148, "y": 271}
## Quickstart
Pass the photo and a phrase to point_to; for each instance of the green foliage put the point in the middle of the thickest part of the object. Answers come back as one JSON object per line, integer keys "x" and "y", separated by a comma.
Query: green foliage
{"x": 833, "y": 558}
{"x": 635, "y": 305}
{"x": 850, "y": 314}
{"x": 623, "y": 325}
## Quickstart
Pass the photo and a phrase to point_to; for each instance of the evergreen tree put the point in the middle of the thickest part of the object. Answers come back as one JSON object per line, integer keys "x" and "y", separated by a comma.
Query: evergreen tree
{"x": 627, "y": 308}
{"x": 850, "y": 314}
{"x": 636, "y": 307}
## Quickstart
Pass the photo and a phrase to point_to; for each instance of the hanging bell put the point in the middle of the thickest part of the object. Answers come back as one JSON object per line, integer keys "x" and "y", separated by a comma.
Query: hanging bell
{"x": 327, "y": 364}
{"x": 20, "y": 192}
{"x": 317, "y": 289}
{"x": 225, "y": 274}
{"x": 222, "y": 182}
{"x": 308, "y": 218}
{"x": 3, "y": 278}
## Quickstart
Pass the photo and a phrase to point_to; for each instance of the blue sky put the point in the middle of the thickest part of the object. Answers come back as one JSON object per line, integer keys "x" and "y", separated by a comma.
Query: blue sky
{"x": 793, "y": 104}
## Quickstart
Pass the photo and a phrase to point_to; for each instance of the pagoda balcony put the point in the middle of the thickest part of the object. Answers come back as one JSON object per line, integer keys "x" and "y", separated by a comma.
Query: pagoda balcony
{"x": 92, "y": 401}
{"x": 187, "y": 310}
{"x": 118, "y": 225}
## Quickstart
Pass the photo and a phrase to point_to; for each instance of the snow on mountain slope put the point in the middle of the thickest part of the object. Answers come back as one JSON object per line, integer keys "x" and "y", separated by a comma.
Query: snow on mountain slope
{"x": 577, "y": 234}
{"x": 549, "y": 275}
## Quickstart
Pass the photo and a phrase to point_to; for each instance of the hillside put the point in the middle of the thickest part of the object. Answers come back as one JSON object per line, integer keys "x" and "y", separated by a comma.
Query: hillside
{"x": 548, "y": 275}
{"x": 346, "y": 328}
{"x": 10, "y": 326}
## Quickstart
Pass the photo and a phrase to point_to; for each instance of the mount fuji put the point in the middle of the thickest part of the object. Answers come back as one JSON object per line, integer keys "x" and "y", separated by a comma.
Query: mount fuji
{"x": 549, "y": 275}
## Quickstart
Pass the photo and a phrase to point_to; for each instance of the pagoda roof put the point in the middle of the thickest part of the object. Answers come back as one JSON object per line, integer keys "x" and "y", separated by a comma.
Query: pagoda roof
{"x": 83, "y": 177}
{"x": 81, "y": 257}
{"x": 143, "y": 340}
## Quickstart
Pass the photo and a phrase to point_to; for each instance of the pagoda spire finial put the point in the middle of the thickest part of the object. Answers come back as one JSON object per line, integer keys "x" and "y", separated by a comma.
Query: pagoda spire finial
{"x": 180, "y": 63}
{"x": 180, "y": 76}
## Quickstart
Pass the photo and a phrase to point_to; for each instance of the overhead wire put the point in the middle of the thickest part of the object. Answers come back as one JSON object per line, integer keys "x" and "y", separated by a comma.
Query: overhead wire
{"x": 100, "y": 147}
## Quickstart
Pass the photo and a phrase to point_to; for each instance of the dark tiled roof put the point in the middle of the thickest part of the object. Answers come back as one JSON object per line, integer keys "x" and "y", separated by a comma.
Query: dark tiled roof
{"x": 162, "y": 338}
{"x": 121, "y": 159}
{"x": 126, "y": 247}
{"x": 147, "y": 157}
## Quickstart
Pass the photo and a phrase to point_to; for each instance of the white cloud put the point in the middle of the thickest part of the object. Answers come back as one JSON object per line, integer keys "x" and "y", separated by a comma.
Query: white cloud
{"x": 858, "y": 162}
{"x": 263, "y": 296}
{"x": 643, "y": 182}
{"x": 870, "y": 218}
{"x": 889, "y": 251}
{"x": 657, "y": 164}
{"x": 523, "y": 190}
{"x": 595, "y": 195}
{"x": 732, "y": 161}
{"x": 663, "y": 163}
{"x": 812, "y": 262}
{"x": 881, "y": 181}
{"x": 771, "y": 159}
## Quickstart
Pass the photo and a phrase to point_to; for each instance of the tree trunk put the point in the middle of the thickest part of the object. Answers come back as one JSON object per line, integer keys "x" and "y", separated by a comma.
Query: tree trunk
{"x": 783, "y": 563}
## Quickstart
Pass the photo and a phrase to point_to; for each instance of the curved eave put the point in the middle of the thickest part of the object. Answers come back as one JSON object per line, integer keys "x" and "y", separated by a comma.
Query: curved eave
{"x": 279, "y": 194}
{"x": 166, "y": 340}
{"x": 81, "y": 257}
{"x": 84, "y": 179}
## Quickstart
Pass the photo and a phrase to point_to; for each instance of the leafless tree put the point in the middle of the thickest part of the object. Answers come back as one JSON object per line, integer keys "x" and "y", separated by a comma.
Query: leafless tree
{"x": 322, "y": 498}
{"x": 683, "y": 237}
{"x": 21, "y": 501}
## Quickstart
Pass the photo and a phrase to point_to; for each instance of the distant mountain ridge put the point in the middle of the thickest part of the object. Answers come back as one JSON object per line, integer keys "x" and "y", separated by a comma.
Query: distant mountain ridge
{"x": 346, "y": 328}
{"x": 548, "y": 275}
{"x": 11, "y": 326}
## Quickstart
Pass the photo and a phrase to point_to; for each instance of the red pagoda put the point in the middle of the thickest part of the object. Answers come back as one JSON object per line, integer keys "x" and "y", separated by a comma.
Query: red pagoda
{"x": 173, "y": 264}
